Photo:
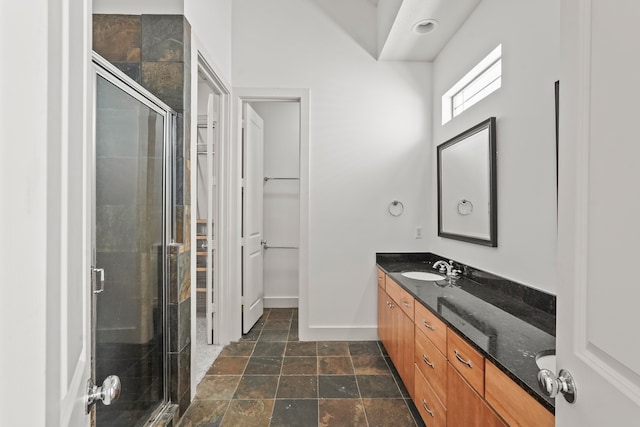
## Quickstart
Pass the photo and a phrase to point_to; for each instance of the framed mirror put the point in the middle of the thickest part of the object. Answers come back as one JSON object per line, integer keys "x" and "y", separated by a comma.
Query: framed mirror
{"x": 467, "y": 189}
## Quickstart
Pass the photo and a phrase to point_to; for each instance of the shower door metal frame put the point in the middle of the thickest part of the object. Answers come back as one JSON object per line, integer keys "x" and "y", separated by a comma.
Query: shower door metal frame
{"x": 103, "y": 68}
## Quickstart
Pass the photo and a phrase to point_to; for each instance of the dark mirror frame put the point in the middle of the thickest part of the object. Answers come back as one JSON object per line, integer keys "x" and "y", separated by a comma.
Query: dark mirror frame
{"x": 492, "y": 241}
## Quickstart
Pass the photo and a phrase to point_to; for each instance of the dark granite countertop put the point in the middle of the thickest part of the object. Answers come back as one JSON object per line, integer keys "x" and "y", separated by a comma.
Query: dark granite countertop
{"x": 507, "y": 322}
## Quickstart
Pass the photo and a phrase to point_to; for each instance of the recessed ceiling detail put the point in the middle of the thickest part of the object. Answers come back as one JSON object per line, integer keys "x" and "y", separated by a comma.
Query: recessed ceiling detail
{"x": 425, "y": 26}
{"x": 404, "y": 24}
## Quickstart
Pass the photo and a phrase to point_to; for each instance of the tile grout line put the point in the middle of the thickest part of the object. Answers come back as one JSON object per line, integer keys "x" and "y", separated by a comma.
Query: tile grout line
{"x": 353, "y": 366}
{"x": 275, "y": 396}
{"x": 404, "y": 399}
{"x": 238, "y": 385}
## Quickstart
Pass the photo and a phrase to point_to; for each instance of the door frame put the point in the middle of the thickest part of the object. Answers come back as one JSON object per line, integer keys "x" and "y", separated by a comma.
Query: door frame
{"x": 223, "y": 317}
{"x": 240, "y": 96}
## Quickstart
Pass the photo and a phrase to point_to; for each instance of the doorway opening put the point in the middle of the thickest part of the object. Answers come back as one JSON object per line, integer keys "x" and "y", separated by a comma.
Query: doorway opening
{"x": 208, "y": 214}
{"x": 281, "y": 201}
{"x": 281, "y": 210}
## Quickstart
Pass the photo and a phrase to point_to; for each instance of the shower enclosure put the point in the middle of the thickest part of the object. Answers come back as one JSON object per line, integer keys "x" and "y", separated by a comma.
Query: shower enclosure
{"x": 134, "y": 134}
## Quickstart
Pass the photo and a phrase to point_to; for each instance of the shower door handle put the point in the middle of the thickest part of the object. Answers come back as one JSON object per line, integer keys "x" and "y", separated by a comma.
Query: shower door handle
{"x": 97, "y": 277}
{"x": 107, "y": 393}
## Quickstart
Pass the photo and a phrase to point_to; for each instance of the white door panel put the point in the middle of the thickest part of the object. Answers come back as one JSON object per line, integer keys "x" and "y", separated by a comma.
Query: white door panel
{"x": 252, "y": 281}
{"x": 211, "y": 220}
{"x": 598, "y": 204}
{"x": 74, "y": 215}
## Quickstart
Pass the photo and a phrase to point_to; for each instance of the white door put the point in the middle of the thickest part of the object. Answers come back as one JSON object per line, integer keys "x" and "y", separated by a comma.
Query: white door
{"x": 212, "y": 299}
{"x": 69, "y": 251}
{"x": 599, "y": 213}
{"x": 252, "y": 277}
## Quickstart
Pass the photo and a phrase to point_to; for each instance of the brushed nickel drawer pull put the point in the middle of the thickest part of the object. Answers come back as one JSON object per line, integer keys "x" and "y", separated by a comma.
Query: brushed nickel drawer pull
{"x": 427, "y": 325}
{"x": 426, "y": 408}
{"x": 455, "y": 351}
{"x": 406, "y": 304}
{"x": 425, "y": 360}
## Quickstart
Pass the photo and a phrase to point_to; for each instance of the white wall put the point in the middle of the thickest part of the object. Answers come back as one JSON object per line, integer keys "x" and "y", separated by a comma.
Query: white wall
{"x": 369, "y": 144}
{"x": 211, "y": 23}
{"x": 139, "y": 7}
{"x": 281, "y": 212}
{"x": 524, "y": 108}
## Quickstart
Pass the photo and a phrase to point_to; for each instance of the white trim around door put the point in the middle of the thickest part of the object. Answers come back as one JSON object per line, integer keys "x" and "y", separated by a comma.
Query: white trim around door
{"x": 241, "y": 95}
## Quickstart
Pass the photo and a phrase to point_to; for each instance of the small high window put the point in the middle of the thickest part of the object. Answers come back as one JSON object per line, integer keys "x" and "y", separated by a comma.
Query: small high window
{"x": 483, "y": 79}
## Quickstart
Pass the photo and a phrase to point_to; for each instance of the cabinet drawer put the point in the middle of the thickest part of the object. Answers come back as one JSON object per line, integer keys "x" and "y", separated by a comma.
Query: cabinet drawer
{"x": 407, "y": 303}
{"x": 512, "y": 403}
{"x": 403, "y": 299}
{"x": 432, "y": 364}
{"x": 381, "y": 277}
{"x": 430, "y": 408}
{"x": 432, "y": 327}
{"x": 393, "y": 289}
{"x": 466, "y": 360}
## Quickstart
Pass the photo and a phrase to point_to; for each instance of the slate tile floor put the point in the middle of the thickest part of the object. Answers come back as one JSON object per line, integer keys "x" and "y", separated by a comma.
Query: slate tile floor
{"x": 270, "y": 378}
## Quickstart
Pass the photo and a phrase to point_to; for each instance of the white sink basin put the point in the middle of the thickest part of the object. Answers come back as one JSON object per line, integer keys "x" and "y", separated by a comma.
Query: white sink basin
{"x": 545, "y": 360}
{"x": 422, "y": 275}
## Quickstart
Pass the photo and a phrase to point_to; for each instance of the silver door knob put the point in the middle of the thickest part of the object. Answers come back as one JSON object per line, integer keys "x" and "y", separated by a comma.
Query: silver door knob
{"x": 551, "y": 385}
{"x": 107, "y": 393}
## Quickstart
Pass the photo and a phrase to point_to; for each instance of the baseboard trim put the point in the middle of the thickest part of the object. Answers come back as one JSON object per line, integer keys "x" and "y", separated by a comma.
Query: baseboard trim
{"x": 338, "y": 333}
{"x": 280, "y": 302}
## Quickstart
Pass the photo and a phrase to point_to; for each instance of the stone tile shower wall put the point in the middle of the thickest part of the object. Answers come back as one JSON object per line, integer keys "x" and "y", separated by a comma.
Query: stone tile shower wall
{"x": 155, "y": 51}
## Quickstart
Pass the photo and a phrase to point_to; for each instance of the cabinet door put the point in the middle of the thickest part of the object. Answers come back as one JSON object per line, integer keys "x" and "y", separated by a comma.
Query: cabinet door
{"x": 465, "y": 407}
{"x": 513, "y": 403}
{"x": 381, "y": 278}
{"x": 384, "y": 320}
{"x": 406, "y": 344}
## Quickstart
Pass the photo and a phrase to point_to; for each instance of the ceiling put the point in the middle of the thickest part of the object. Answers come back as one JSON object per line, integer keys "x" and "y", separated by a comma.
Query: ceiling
{"x": 396, "y": 18}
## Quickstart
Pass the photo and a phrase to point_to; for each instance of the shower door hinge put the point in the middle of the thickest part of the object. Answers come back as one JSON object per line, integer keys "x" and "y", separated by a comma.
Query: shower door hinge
{"x": 97, "y": 280}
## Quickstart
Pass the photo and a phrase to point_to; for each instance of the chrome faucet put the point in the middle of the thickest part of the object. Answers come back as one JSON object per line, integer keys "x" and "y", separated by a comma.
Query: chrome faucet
{"x": 446, "y": 266}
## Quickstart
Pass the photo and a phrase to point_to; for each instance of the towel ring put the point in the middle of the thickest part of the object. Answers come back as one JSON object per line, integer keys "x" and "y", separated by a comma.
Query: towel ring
{"x": 465, "y": 207}
{"x": 396, "y": 208}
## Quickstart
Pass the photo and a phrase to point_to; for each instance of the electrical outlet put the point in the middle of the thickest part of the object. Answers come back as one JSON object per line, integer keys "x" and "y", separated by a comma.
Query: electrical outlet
{"x": 418, "y": 232}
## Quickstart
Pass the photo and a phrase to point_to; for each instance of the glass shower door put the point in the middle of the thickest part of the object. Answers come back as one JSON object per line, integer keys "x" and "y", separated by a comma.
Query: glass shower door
{"x": 131, "y": 223}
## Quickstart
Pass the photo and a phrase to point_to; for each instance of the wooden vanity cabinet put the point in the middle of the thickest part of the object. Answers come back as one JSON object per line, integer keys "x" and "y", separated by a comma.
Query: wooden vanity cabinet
{"x": 395, "y": 329}
{"x": 466, "y": 408}
{"x": 512, "y": 402}
{"x": 462, "y": 388}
